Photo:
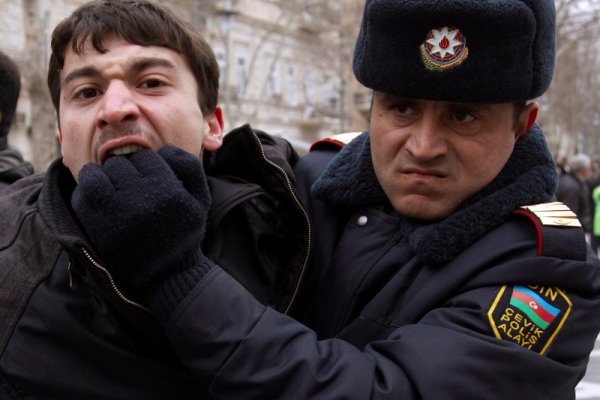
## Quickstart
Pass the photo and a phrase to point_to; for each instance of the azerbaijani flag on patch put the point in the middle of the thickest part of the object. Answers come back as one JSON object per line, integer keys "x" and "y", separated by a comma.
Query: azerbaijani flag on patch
{"x": 535, "y": 307}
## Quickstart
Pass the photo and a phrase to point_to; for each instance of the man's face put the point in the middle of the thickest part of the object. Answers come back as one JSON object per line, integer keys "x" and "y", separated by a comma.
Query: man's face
{"x": 431, "y": 156}
{"x": 128, "y": 98}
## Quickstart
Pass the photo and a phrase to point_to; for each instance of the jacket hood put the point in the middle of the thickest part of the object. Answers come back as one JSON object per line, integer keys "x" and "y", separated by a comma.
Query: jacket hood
{"x": 529, "y": 177}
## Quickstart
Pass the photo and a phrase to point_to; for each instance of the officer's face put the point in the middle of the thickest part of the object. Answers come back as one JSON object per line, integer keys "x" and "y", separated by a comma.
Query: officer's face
{"x": 431, "y": 156}
{"x": 127, "y": 98}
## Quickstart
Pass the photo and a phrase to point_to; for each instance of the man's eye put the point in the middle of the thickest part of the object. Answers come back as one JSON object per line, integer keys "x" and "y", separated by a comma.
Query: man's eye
{"x": 87, "y": 93}
{"x": 152, "y": 83}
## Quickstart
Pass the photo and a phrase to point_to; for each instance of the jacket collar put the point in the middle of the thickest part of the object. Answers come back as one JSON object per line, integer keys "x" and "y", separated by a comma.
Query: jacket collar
{"x": 529, "y": 177}
{"x": 55, "y": 206}
{"x": 246, "y": 152}
{"x": 248, "y": 161}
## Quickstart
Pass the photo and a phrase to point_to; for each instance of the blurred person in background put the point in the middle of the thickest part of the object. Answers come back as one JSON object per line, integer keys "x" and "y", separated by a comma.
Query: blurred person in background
{"x": 574, "y": 191}
{"x": 594, "y": 186}
{"x": 12, "y": 164}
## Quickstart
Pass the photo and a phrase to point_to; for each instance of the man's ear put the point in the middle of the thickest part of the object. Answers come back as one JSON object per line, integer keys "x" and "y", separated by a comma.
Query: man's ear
{"x": 527, "y": 119}
{"x": 60, "y": 137}
{"x": 214, "y": 137}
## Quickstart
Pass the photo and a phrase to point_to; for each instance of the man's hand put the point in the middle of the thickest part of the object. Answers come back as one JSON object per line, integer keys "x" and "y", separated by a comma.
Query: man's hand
{"x": 145, "y": 215}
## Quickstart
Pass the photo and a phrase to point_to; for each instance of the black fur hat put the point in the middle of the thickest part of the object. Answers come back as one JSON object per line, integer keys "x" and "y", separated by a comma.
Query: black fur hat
{"x": 472, "y": 51}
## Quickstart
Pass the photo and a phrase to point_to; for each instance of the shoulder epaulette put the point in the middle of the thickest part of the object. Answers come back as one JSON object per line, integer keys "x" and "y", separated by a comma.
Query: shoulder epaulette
{"x": 554, "y": 214}
{"x": 559, "y": 231}
{"x": 334, "y": 142}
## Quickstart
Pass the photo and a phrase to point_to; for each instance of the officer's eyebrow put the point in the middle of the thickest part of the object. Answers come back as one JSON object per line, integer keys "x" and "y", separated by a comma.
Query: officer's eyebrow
{"x": 136, "y": 67}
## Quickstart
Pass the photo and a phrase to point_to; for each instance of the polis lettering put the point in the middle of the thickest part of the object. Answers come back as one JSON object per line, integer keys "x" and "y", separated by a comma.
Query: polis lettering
{"x": 519, "y": 329}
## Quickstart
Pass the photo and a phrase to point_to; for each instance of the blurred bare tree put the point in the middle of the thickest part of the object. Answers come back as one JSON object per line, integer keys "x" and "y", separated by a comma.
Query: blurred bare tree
{"x": 43, "y": 118}
{"x": 571, "y": 108}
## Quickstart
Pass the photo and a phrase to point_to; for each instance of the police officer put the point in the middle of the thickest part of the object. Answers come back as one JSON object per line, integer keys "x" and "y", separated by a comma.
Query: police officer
{"x": 440, "y": 270}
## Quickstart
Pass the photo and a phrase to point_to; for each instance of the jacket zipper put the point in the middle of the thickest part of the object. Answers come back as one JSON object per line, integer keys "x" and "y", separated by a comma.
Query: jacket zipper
{"x": 112, "y": 281}
{"x": 304, "y": 213}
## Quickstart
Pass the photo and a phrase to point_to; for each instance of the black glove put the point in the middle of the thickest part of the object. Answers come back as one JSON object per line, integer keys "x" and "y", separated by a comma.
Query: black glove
{"x": 145, "y": 215}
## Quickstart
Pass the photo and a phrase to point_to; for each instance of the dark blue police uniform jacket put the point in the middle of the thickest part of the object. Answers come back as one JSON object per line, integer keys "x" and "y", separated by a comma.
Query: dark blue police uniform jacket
{"x": 494, "y": 301}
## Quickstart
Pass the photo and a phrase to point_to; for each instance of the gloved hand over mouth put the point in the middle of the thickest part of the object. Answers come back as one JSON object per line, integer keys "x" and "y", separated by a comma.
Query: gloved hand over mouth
{"x": 145, "y": 214}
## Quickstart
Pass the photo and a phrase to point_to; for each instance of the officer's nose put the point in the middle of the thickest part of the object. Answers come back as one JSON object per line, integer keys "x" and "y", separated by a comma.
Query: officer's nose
{"x": 426, "y": 140}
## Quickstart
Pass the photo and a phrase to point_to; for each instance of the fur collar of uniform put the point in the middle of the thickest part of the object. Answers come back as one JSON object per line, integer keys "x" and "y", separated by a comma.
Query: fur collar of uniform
{"x": 529, "y": 177}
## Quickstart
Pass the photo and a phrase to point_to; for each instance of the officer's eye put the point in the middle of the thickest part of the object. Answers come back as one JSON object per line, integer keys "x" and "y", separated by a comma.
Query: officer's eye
{"x": 402, "y": 109}
{"x": 462, "y": 116}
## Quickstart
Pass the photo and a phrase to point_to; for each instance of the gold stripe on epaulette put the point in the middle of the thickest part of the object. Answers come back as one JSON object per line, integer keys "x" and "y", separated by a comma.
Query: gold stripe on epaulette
{"x": 346, "y": 137}
{"x": 554, "y": 214}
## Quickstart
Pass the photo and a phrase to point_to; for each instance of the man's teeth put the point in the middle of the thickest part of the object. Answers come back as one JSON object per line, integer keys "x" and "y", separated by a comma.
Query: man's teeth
{"x": 125, "y": 150}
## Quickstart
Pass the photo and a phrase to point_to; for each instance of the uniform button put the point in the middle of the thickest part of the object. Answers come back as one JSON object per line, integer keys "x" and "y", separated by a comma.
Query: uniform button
{"x": 362, "y": 220}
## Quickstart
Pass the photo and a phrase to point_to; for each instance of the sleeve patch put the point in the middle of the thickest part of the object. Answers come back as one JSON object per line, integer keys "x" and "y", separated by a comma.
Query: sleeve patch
{"x": 531, "y": 316}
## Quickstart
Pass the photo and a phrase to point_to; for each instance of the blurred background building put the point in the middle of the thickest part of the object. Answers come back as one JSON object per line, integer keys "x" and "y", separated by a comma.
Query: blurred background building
{"x": 285, "y": 66}
{"x": 286, "y": 69}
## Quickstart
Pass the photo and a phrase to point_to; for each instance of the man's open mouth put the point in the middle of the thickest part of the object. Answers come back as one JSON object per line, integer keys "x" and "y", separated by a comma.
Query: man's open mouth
{"x": 123, "y": 151}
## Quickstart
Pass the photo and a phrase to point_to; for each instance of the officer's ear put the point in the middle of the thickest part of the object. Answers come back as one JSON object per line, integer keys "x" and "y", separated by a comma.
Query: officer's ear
{"x": 526, "y": 119}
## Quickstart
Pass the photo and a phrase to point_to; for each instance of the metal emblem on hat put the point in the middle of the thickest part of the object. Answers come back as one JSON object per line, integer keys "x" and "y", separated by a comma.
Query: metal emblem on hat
{"x": 443, "y": 49}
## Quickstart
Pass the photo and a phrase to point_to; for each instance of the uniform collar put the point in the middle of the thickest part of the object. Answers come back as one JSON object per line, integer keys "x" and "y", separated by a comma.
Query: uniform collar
{"x": 529, "y": 177}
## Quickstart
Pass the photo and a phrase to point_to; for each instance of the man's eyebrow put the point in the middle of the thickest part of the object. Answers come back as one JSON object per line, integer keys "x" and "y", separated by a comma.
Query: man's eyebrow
{"x": 136, "y": 67}
{"x": 148, "y": 62}
{"x": 84, "y": 72}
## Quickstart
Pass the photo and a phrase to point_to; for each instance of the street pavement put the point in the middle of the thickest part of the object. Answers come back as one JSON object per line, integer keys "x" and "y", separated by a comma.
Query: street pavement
{"x": 589, "y": 387}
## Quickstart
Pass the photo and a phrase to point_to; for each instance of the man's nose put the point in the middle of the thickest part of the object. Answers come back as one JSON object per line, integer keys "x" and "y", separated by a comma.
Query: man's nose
{"x": 118, "y": 105}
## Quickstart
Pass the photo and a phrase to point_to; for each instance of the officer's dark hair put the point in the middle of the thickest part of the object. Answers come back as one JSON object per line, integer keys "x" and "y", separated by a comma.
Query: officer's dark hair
{"x": 138, "y": 22}
{"x": 10, "y": 87}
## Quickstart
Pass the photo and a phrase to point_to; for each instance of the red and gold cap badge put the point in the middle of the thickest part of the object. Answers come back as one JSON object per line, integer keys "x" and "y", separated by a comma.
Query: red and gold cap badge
{"x": 443, "y": 49}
